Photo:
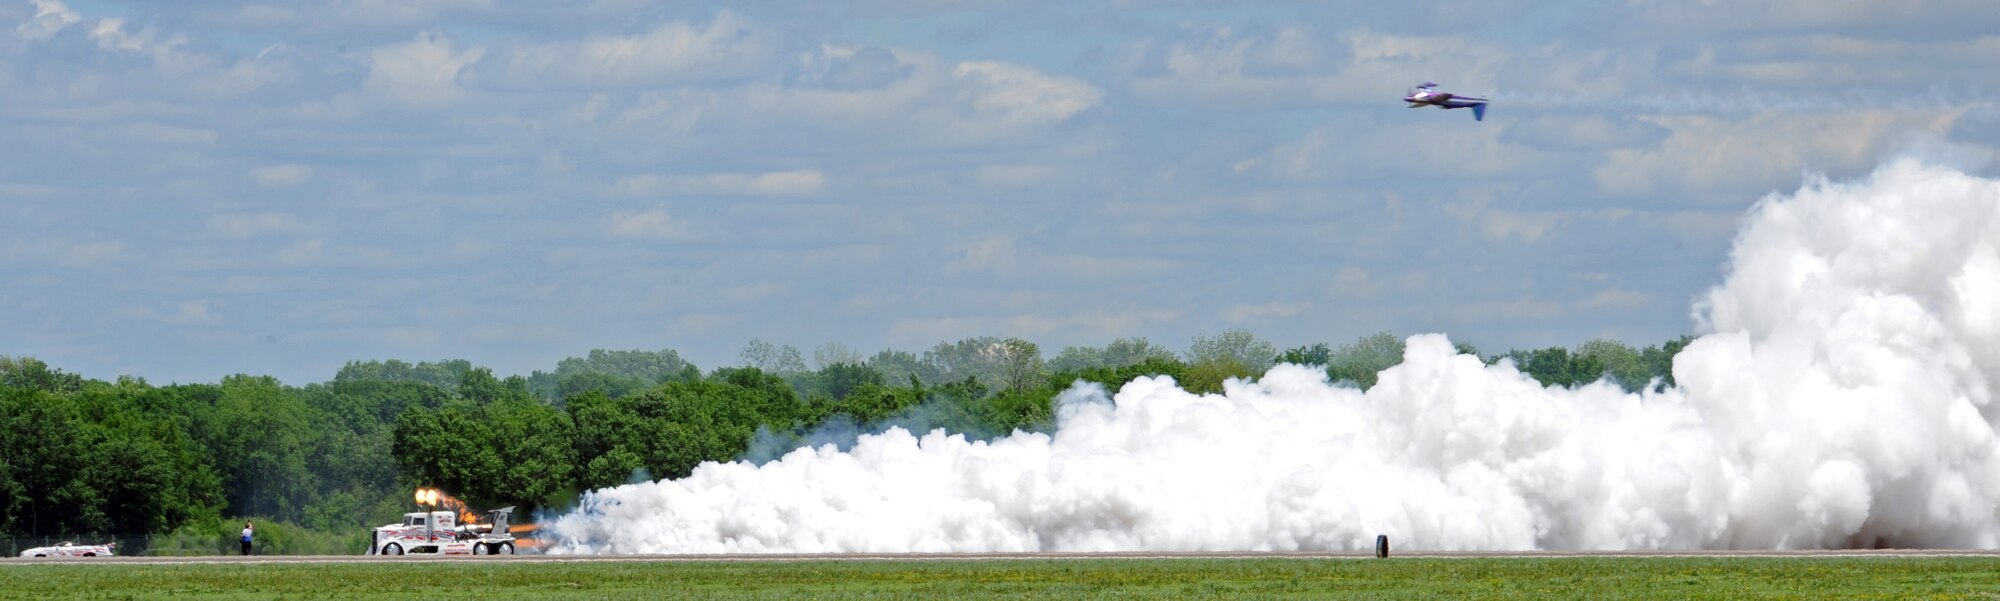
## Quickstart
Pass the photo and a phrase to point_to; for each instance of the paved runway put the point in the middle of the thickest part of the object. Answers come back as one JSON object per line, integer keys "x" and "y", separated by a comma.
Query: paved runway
{"x": 311, "y": 559}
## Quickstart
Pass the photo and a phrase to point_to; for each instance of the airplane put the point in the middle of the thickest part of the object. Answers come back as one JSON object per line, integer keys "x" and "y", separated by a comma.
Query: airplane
{"x": 1428, "y": 95}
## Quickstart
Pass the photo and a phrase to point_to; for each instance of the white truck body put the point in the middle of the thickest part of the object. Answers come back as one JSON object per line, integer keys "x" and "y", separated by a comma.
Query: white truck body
{"x": 70, "y": 549}
{"x": 437, "y": 532}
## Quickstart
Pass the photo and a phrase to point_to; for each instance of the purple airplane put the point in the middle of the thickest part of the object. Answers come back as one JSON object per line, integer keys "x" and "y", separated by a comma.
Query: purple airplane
{"x": 1428, "y": 95}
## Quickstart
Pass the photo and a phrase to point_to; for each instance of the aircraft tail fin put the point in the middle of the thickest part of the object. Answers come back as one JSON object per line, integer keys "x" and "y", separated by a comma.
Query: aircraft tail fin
{"x": 1479, "y": 112}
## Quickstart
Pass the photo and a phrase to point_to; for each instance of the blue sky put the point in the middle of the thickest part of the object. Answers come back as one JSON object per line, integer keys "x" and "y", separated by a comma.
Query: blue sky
{"x": 196, "y": 188}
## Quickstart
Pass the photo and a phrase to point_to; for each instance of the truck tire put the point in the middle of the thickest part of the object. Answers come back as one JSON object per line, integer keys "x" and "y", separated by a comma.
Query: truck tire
{"x": 392, "y": 549}
{"x": 90, "y": 555}
{"x": 504, "y": 549}
{"x": 482, "y": 549}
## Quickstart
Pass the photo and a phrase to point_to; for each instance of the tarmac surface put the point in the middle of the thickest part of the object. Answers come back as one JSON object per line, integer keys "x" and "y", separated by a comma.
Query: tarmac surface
{"x": 535, "y": 558}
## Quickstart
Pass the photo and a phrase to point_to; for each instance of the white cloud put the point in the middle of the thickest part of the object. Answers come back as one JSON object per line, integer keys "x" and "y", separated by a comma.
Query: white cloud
{"x": 928, "y": 102}
{"x": 1355, "y": 282}
{"x": 90, "y": 254}
{"x": 1498, "y": 224}
{"x": 201, "y": 311}
{"x": 164, "y": 134}
{"x": 276, "y": 176}
{"x": 1088, "y": 326}
{"x": 63, "y": 252}
{"x": 1574, "y": 132}
{"x": 1614, "y": 298}
{"x": 1253, "y": 312}
{"x": 1024, "y": 95}
{"x": 1873, "y": 17}
{"x": 425, "y": 72}
{"x": 1742, "y": 158}
{"x": 301, "y": 252}
{"x": 1416, "y": 147}
{"x": 1221, "y": 68}
{"x": 110, "y": 34}
{"x": 51, "y": 17}
{"x": 773, "y": 183}
{"x": 399, "y": 16}
{"x": 194, "y": 312}
{"x": 252, "y": 225}
{"x": 654, "y": 223}
{"x": 1014, "y": 176}
{"x": 673, "y": 52}
{"x": 990, "y": 254}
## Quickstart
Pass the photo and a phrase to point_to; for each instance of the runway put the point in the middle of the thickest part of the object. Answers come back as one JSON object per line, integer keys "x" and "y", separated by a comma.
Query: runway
{"x": 950, "y": 557}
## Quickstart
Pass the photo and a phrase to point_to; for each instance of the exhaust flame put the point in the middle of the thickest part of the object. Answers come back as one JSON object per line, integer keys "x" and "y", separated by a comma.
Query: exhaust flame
{"x": 1843, "y": 396}
{"x": 431, "y": 497}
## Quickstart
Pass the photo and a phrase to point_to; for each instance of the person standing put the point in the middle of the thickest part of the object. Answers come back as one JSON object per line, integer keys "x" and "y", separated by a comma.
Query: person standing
{"x": 246, "y": 537}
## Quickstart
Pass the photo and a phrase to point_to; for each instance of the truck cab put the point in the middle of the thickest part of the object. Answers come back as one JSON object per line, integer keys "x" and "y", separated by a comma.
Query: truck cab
{"x": 438, "y": 532}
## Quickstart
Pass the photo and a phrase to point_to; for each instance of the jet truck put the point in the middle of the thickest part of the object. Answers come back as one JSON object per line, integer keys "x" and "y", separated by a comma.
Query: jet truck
{"x": 442, "y": 533}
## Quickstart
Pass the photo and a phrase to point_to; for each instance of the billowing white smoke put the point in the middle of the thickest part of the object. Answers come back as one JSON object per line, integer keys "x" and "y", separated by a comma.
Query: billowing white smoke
{"x": 1843, "y": 399}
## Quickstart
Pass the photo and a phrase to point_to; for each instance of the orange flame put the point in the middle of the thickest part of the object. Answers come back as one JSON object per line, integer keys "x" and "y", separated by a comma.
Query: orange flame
{"x": 431, "y": 497}
{"x": 520, "y": 528}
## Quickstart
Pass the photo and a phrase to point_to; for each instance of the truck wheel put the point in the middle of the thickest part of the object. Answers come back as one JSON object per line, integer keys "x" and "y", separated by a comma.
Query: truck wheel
{"x": 41, "y": 555}
{"x": 482, "y": 549}
{"x": 90, "y": 555}
{"x": 505, "y": 549}
{"x": 392, "y": 549}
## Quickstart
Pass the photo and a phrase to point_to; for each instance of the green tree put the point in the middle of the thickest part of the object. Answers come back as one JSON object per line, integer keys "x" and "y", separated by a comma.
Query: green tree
{"x": 43, "y": 453}
{"x": 616, "y": 372}
{"x": 1625, "y": 365}
{"x": 1233, "y": 350}
{"x": 1019, "y": 362}
{"x": 257, "y": 435}
{"x": 1120, "y": 353}
{"x": 837, "y": 380}
{"x": 897, "y": 366}
{"x": 1112, "y": 378}
{"x": 1316, "y": 355}
{"x": 670, "y": 429}
{"x": 29, "y": 372}
{"x": 443, "y": 374}
{"x": 833, "y": 353}
{"x": 773, "y": 358}
{"x": 1659, "y": 360}
{"x": 1364, "y": 359}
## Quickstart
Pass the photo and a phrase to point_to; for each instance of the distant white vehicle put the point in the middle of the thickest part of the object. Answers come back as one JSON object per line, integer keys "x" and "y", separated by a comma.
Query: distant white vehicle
{"x": 70, "y": 549}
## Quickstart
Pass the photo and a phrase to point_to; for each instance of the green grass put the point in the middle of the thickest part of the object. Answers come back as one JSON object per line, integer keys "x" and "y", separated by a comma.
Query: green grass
{"x": 1412, "y": 578}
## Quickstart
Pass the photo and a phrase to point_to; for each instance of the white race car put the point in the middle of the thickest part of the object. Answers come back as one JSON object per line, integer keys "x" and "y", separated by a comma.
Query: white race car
{"x": 70, "y": 549}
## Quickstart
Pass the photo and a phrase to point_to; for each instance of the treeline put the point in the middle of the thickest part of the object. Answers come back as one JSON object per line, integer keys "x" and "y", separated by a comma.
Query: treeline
{"x": 80, "y": 455}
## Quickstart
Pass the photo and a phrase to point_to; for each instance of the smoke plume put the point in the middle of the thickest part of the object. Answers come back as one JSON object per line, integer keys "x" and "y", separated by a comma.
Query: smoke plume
{"x": 1841, "y": 398}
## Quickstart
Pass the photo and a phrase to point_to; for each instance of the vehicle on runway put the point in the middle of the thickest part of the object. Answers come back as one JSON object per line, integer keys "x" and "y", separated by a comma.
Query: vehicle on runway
{"x": 70, "y": 549}
{"x": 438, "y": 532}
{"x": 1427, "y": 94}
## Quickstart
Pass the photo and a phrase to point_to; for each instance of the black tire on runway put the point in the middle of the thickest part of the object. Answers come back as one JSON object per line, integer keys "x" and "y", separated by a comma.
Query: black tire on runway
{"x": 392, "y": 549}
{"x": 505, "y": 549}
{"x": 482, "y": 549}
{"x": 1381, "y": 545}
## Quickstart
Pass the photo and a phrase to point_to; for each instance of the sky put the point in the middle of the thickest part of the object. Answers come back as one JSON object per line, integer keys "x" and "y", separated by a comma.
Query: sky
{"x": 196, "y": 188}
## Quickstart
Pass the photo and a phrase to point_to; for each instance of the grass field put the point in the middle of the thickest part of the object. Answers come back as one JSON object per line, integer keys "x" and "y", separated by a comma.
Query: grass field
{"x": 1413, "y": 578}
